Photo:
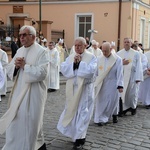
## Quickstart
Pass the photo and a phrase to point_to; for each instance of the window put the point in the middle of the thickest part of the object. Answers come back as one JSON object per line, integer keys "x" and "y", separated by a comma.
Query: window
{"x": 149, "y": 34}
{"x": 83, "y": 24}
{"x": 142, "y": 29}
{"x": 17, "y": 0}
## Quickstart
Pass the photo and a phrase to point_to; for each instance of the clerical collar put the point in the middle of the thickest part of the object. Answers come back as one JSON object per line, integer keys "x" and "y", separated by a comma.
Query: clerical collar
{"x": 108, "y": 56}
{"x": 127, "y": 50}
{"x": 27, "y": 48}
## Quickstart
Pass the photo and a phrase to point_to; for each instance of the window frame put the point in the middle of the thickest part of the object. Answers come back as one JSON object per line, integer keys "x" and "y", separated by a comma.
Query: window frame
{"x": 77, "y": 16}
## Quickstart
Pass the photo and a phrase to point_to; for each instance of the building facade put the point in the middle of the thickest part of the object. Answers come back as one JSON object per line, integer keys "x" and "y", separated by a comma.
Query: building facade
{"x": 109, "y": 20}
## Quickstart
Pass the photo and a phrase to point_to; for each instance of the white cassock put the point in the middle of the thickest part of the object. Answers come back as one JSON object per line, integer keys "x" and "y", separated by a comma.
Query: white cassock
{"x": 107, "y": 98}
{"x": 2, "y": 76}
{"x": 24, "y": 119}
{"x": 77, "y": 127}
{"x": 97, "y": 52}
{"x": 144, "y": 90}
{"x": 54, "y": 61}
{"x": 132, "y": 72}
{"x": 4, "y": 62}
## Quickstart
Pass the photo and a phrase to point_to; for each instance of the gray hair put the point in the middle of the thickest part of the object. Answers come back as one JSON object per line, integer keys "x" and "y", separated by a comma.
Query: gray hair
{"x": 129, "y": 39}
{"x": 81, "y": 39}
{"x": 106, "y": 44}
{"x": 30, "y": 28}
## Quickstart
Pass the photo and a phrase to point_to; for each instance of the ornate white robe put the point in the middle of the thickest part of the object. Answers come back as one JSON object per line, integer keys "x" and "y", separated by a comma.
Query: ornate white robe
{"x": 78, "y": 126}
{"x": 24, "y": 119}
{"x": 4, "y": 62}
{"x": 108, "y": 96}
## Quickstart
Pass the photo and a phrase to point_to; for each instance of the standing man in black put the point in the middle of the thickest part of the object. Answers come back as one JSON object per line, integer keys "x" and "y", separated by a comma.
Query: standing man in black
{"x": 14, "y": 47}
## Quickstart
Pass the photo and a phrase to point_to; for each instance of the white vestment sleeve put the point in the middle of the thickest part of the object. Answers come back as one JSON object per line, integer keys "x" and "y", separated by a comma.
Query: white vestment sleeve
{"x": 4, "y": 59}
{"x": 10, "y": 69}
{"x": 144, "y": 62}
{"x": 39, "y": 71}
{"x": 87, "y": 70}
{"x": 1, "y": 76}
{"x": 119, "y": 72}
{"x": 67, "y": 69}
{"x": 138, "y": 68}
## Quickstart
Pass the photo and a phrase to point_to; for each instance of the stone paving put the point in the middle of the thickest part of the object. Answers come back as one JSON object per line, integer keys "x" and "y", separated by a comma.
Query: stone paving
{"x": 130, "y": 133}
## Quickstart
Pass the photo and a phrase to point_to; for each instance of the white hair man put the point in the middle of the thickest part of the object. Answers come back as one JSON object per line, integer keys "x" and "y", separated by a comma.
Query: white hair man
{"x": 24, "y": 119}
{"x": 79, "y": 69}
{"x": 94, "y": 48}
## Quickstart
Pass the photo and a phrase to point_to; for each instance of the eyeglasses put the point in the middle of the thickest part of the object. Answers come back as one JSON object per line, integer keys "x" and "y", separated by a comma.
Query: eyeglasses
{"x": 24, "y": 34}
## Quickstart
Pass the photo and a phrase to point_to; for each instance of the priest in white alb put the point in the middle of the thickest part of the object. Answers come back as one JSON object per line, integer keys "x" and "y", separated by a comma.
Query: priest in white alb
{"x": 23, "y": 120}
{"x": 144, "y": 91}
{"x": 94, "y": 49}
{"x": 133, "y": 74}
{"x": 54, "y": 60}
{"x": 79, "y": 69}
{"x": 4, "y": 62}
{"x": 108, "y": 85}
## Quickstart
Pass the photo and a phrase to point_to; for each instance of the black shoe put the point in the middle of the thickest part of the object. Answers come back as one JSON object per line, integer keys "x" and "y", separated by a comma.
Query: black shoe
{"x": 133, "y": 111}
{"x": 101, "y": 124}
{"x": 147, "y": 106}
{"x": 115, "y": 119}
{"x": 3, "y": 95}
{"x": 125, "y": 111}
{"x": 77, "y": 147}
{"x": 43, "y": 147}
{"x": 51, "y": 90}
{"x": 79, "y": 144}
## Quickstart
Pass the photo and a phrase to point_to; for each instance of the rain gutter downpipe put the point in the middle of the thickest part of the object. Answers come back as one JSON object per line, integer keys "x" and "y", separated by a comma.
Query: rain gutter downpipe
{"x": 119, "y": 24}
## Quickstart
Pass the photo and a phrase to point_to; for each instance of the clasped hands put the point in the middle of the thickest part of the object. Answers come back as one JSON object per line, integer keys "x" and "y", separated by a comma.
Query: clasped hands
{"x": 126, "y": 62}
{"x": 77, "y": 58}
{"x": 19, "y": 62}
{"x": 148, "y": 71}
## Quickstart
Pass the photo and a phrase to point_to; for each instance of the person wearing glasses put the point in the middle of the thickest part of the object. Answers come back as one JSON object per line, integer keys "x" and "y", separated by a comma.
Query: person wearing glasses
{"x": 54, "y": 60}
{"x": 24, "y": 118}
{"x": 79, "y": 69}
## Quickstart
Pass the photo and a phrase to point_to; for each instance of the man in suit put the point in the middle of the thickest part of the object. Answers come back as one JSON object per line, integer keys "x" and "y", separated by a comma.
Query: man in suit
{"x": 14, "y": 47}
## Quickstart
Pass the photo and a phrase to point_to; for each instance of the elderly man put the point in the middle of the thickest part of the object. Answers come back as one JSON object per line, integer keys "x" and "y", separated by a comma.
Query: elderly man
{"x": 133, "y": 74}
{"x": 4, "y": 62}
{"x": 54, "y": 59}
{"x": 94, "y": 48}
{"x": 24, "y": 119}
{"x": 79, "y": 69}
{"x": 110, "y": 78}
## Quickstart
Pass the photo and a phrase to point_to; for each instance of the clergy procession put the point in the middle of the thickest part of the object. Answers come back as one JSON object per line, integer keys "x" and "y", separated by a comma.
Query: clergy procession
{"x": 102, "y": 86}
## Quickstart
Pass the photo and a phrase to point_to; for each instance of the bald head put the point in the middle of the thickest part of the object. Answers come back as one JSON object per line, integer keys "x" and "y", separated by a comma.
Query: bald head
{"x": 106, "y": 49}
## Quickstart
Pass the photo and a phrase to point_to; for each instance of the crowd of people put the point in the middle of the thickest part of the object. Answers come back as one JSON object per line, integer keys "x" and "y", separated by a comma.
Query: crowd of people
{"x": 100, "y": 82}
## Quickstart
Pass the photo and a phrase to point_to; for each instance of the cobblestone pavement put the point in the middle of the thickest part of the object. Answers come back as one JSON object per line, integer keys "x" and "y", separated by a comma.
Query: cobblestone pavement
{"x": 130, "y": 133}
